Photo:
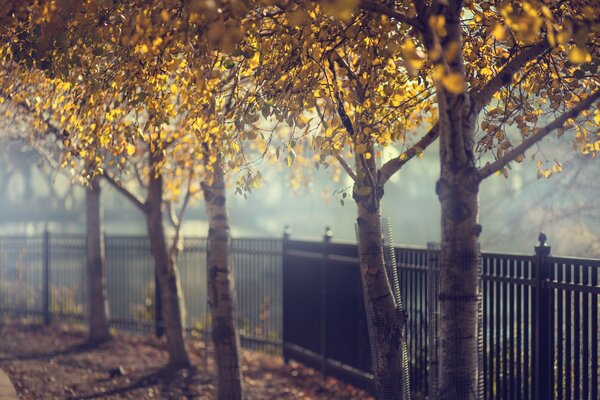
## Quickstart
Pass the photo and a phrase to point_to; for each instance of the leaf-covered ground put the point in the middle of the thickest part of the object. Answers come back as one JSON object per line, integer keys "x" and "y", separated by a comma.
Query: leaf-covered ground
{"x": 52, "y": 363}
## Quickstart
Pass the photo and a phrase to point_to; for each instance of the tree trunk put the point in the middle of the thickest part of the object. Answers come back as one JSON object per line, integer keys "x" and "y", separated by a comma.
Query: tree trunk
{"x": 457, "y": 190}
{"x": 386, "y": 323}
{"x": 221, "y": 295}
{"x": 95, "y": 264}
{"x": 166, "y": 271}
{"x": 458, "y": 285}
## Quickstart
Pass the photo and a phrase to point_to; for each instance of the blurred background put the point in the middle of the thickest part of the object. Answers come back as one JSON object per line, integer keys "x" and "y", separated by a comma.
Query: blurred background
{"x": 513, "y": 211}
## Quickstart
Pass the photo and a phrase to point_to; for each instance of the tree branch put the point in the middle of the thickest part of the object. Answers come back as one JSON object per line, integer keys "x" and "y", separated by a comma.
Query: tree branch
{"x": 347, "y": 168}
{"x": 141, "y": 205}
{"x": 171, "y": 214}
{"x": 504, "y": 77}
{"x": 500, "y": 163}
{"x": 392, "y": 166}
{"x": 481, "y": 98}
{"x": 390, "y": 12}
{"x": 174, "y": 250}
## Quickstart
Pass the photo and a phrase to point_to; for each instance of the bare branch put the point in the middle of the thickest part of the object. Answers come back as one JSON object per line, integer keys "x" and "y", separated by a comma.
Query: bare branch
{"x": 347, "y": 168}
{"x": 538, "y": 135}
{"x": 141, "y": 205}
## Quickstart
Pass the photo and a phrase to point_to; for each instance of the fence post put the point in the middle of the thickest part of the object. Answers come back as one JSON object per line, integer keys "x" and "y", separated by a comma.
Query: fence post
{"x": 46, "y": 276}
{"x": 542, "y": 365}
{"x": 287, "y": 232}
{"x": 159, "y": 329}
{"x": 433, "y": 316}
{"x": 324, "y": 267}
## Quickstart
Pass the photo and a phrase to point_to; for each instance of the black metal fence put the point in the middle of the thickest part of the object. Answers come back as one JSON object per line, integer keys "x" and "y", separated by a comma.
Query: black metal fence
{"x": 539, "y": 325}
{"x": 45, "y": 276}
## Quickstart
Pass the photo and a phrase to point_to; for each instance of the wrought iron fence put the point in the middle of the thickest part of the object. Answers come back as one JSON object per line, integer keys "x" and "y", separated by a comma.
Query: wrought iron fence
{"x": 45, "y": 276}
{"x": 538, "y": 329}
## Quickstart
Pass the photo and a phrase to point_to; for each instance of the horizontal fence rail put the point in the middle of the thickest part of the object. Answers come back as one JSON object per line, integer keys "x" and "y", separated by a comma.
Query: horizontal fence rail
{"x": 539, "y": 313}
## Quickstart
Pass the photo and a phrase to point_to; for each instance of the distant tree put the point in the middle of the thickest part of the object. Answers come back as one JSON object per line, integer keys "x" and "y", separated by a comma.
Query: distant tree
{"x": 49, "y": 153}
{"x": 148, "y": 97}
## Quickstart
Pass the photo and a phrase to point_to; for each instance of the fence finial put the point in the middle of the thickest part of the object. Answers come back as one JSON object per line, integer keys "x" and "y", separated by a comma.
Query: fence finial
{"x": 542, "y": 239}
{"x": 328, "y": 234}
{"x": 287, "y": 232}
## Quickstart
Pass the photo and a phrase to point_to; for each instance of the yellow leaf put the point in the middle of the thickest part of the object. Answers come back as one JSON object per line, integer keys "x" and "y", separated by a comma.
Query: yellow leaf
{"x": 578, "y": 55}
{"x": 396, "y": 99}
{"x": 454, "y": 83}
{"x": 557, "y": 168}
{"x": 499, "y": 31}
{"x": 130, "y": 149}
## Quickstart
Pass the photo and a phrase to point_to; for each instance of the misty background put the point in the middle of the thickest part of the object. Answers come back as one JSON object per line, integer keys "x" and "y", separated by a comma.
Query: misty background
{"x": 512, "y": 211}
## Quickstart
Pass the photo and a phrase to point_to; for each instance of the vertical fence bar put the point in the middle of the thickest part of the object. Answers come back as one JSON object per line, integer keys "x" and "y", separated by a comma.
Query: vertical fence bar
{"x": 560, "y": 344}
{"x": 324, "y": 266}
{"x": 511, "y": 328}
{"x": 498, "y": 331}
{"x": 594, "y": 333}
{"x": 159, "y": 329}
{"x": 284, "y": 248}
{"x": 527, "y": 331}
{"x": 433, "y": 289}
{"x": 543, "y": 365}
{"x": 505, "y": 331}
{"x": 486, "y": 329}
{"x": 577, "y": 333}
{"x": 520, "y": 325}
{"x": 585, "y": 348}
{"x": 568, "y": 337}
{"x": 491, "y": 330}
{"x": 46, "y": 277}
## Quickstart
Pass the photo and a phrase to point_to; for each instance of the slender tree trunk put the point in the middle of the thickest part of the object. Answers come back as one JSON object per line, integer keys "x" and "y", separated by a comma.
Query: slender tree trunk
{"x": 457, "y": 189}
{"x": 166, "y": 270}
{"x": 221, "y": 294}
{"x": 386, "y": 323}
{"x": 95, "y": 264}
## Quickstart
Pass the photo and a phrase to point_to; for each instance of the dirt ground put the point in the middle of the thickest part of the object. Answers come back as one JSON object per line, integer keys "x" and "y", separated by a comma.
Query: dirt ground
{"x": 52, "y": 363}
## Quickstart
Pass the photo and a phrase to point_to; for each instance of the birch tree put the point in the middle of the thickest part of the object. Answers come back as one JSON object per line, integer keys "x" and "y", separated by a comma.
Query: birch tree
{"x": 504, "y": 61}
